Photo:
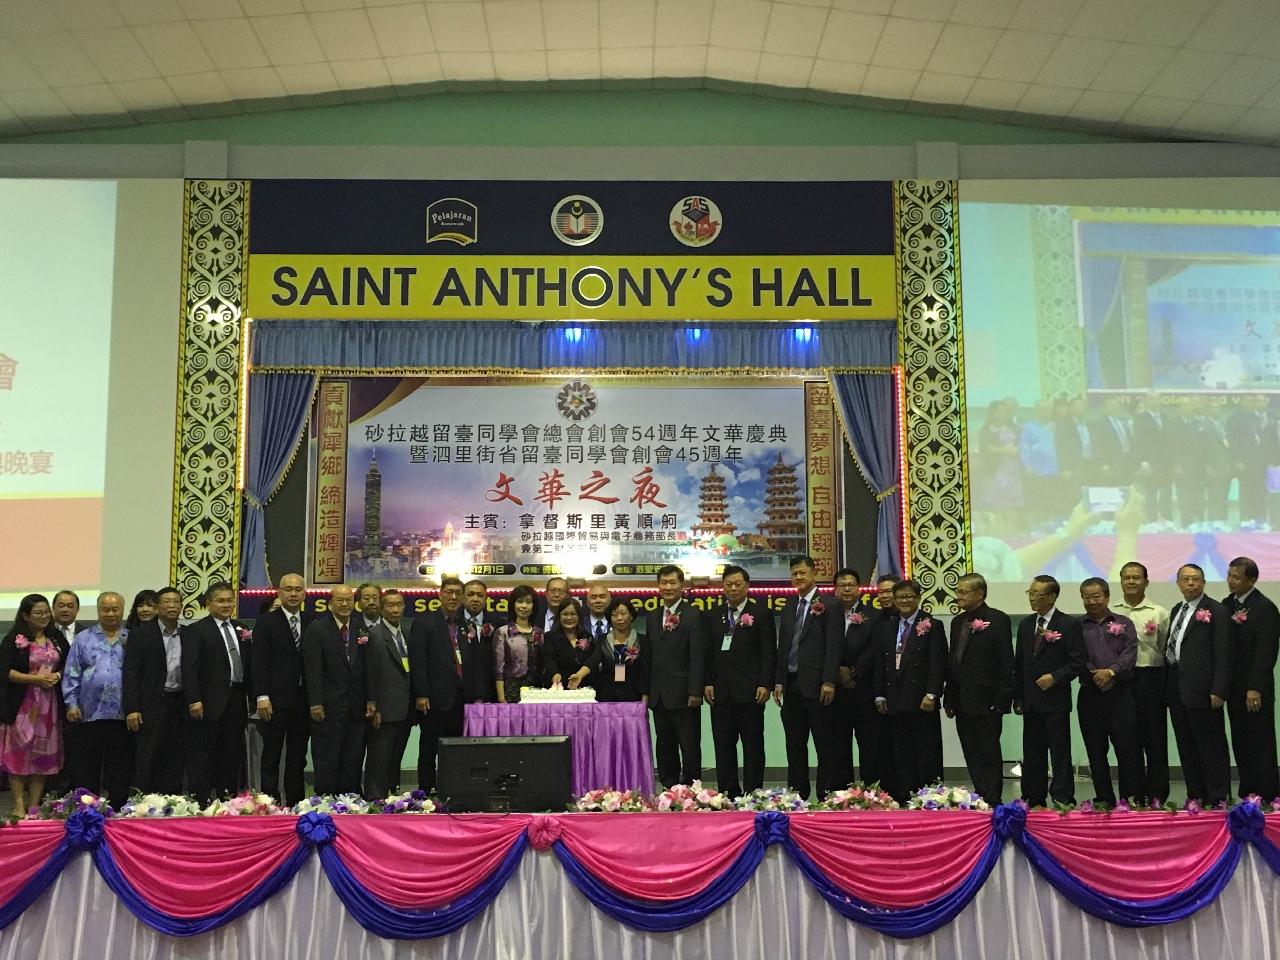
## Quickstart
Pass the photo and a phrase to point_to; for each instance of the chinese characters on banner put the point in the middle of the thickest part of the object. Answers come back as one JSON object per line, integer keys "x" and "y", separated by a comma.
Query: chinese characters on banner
{"x": 822, "y": 466}
{"x": 329, "y": 534}
{"x": 600, "y": 478}
{"x": 20, "y": 462}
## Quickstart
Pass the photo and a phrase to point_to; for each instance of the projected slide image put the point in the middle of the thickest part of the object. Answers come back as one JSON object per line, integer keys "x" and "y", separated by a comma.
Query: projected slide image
{"x": 1123, "y": 389}
{"x": 56, "y": 263}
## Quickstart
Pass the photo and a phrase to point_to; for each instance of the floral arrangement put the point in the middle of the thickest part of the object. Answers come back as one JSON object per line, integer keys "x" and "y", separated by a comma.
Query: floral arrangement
{"x": 856, "y": 618}
{"x": 630, "y": 654}
{"x": 1240, "y": 616}
{"x": 244, "y": 635}
{"x": 693, "y": 797}
{"x": 411, "y": 801}
{"x": 746, "y": 620}
{"x": 362, "y": 639}
{"x": 161, "y": 805}
{"x": 21, "y": 641}
{"x": 343, "y": 804}
{"x": 858, "y": 797}
{"x": 939, "y": 797}
{"x": 1115, "y": 628}
{"x": 1150, "y": 628}
{"x": 923, "y": 627}
{"x": 59, "y": 808}
{"x": 244, "y": 804}
{"x": 1203, "y": 615}
{"x": 783, "y": 801}
{"x": 608, "y": 800}
{"x": 817, "y": 608}
{"x": 583, "y": 643}
{"x": 1052, "y": 636}
{"x": 670, "y": 621}
{"x": 977, "y": 626}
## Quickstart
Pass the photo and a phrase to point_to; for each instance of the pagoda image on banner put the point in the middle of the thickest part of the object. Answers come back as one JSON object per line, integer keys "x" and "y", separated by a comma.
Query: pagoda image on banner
{"x": 784, "y": 527}
{"x": 713, "y": 507}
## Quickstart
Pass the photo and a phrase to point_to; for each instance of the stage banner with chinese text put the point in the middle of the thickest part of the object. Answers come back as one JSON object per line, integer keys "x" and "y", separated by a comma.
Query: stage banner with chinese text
{"x": 328, "y": 533}
{"x": 591, "y": 477}
{"x": 546, "y": 250}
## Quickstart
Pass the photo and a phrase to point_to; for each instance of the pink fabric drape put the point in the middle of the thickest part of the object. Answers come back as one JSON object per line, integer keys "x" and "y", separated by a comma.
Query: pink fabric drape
{"x": 1135, "y": 856}
{"x": 894, "y": 858}
{"x": 427, "y": 861}
{"x": 194, "y": 867}
{"x": 665, "y": 856}
{"x": 24, "y": 848}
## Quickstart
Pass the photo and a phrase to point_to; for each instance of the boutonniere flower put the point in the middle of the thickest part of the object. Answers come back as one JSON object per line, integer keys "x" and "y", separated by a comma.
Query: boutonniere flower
{"x": 631, "y": 654}
{"x": 856, "y": 618}
{"x": 1204, "y": 616}
{"x": 1240, "y": 616}
{"x": 243, "y": 634}
{"x": 670, "y": 621}
{"x": 1115, "y": 629}
{"x": 923, "y": 627}
{"x": 1052, "y": 636}
{"x": 21, "y": 642}
{"x": 1150, "y": 628}
{"x": 977, "y": 626}
{"x": 487, "y": 630}
{"x": 746, "y": 620}
{"x": 537, "y": 636}
{"x": 817, "y": 609}
{"x": 362, "y": 639}
{"x": 583, "y": 643}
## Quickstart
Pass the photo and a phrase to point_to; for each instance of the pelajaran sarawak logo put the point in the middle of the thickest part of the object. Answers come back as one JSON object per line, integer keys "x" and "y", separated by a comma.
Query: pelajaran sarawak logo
{"x": 452, "y": 219}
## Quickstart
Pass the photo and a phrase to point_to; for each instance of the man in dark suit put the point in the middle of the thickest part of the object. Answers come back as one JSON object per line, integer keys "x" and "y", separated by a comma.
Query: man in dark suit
{"x": 333, "y": 649}
{"x": 854, "y": 710}
{"x": 544, "y": 613}
{"x": 1149, "y": 449}
{"x": 910, "y": 673}
{"x": 1105, "y": 706}
{"x": 1111, "y": 435}
{"x": 808, "y": 663}
{"x": 1247, "y": 439}
{"x": 387, "y": 690}
{"x": 281, "y": 698}
{"x": 1197, "y": 684}
{"x": 1255, "y": 634}
{"x": 677, "y": 651}
{"x": 153, "y": 703}
{"x": 845, "y": 606}
{"x": 368, "y": 607}
{"x": 215, "y": 684}
{"x": 738, "y": 679}
{"x": 476, "y": 614}
{"x": 980, "y": 684}
{"x": 449, "y": 667}
{"x": 1050, "y": 655}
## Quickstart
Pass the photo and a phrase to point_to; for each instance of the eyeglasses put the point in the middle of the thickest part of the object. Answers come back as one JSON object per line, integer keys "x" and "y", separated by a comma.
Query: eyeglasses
{"x": 1034, "y": 595}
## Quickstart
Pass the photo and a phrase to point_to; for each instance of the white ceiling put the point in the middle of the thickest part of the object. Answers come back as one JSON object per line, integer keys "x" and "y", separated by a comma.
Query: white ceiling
{"x": 1186, "y": 69}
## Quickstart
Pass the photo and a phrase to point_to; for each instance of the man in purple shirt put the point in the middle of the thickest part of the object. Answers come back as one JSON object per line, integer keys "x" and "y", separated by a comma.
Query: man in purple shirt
{"x": 1105, "y": 706}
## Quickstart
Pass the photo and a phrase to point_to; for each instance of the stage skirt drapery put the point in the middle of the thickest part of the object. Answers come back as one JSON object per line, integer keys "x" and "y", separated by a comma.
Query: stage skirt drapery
{"x": 760, "y": 884}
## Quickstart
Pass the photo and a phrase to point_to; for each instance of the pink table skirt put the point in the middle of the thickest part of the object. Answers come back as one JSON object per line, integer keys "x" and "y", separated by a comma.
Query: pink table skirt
{"x": 609, "y": 741}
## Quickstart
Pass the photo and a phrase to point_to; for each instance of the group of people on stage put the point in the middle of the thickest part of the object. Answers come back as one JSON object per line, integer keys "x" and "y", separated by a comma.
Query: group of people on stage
{"x": 159, "y": 704}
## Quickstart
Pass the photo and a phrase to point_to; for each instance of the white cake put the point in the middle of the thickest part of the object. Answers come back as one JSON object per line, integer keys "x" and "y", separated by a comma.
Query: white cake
{"x": 557, "y": 695}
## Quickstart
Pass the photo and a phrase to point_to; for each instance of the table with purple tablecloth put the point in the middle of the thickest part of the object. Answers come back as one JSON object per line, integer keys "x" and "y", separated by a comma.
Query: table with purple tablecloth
{"x": 609, "y": 741}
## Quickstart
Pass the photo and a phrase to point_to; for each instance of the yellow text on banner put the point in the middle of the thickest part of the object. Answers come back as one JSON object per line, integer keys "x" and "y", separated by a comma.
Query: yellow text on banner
{"x": 559, "y": 287}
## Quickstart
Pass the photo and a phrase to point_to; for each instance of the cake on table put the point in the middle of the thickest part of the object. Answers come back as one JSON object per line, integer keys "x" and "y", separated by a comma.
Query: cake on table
{"x": 557, "y": 695}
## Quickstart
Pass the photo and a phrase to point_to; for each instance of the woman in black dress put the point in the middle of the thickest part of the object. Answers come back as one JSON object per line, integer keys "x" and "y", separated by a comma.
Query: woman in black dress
{"x": 574, "y": 659}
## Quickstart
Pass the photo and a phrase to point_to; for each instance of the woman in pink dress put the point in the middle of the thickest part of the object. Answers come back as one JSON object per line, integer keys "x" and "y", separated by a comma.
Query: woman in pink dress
{"x": 31, "y": 659}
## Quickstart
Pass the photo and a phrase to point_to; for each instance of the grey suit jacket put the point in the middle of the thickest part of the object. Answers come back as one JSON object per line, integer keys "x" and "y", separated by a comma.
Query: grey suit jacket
{"x": 386, "y": 680}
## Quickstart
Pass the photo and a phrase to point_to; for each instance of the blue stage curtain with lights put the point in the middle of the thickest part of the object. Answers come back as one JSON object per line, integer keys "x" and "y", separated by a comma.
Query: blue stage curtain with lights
{"x": 621, "y": 345}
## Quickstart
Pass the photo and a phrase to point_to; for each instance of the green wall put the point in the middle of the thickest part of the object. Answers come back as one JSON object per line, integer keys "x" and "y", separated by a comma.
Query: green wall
{"x": 595, "y": 118}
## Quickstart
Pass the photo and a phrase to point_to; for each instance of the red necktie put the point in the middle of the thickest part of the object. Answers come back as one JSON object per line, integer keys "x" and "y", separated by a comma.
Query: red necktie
{"x": 346, "y": 640}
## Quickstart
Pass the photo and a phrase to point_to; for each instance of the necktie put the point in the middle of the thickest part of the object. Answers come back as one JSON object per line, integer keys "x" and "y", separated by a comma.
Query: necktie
{"x": 294, "y": 629}
{"x": 963, "y": 640}
{"x": 600, "y": 630}
{"x": 1039, "y": 626}
{"x": 903, "y": 627}
{"x": 233, "y": 651}
{"x": 453, "y": 639}
{"x": 731, "y": 618}
{"x": 400, "y": 647}
{"x": 345, "y": 634}
{"x": 793, "y": 658}
{"x": 1175, "y": 634}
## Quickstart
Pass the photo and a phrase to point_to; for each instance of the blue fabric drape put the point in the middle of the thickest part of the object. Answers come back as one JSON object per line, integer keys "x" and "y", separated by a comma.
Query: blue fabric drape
{"x": 1100, "y": 282}
{"x": 278, "y": 408}
{"x": 1127, "y": 913}
{"x": 416, "y": 344}
{"x": 867, "y": 410}
{"x": 395, "y": 923}
{"x": 670, "y": 915}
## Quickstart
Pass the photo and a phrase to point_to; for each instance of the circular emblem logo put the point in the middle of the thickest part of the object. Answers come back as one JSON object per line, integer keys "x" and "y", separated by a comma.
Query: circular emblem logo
{"x": 577, "y": 220}
{"x": 576, "y": 400}
{"x": 695, "y": 221}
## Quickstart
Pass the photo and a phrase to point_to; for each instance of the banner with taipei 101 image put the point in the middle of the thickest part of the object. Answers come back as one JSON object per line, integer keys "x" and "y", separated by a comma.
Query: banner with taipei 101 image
{"x": 592, "y": 477}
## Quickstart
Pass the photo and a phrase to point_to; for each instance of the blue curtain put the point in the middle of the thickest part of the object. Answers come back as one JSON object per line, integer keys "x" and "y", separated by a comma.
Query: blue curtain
{"x": 278, "y": 407}
{"x": 514, "y": 345}
{"x": 867, "y": 404}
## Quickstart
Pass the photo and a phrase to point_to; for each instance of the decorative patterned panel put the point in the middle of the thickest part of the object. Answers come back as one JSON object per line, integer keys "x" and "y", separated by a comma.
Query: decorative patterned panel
{"x": 1057, "y": 307}
{"x": 206, "y": 506}
{"x": 931, "y": 347}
